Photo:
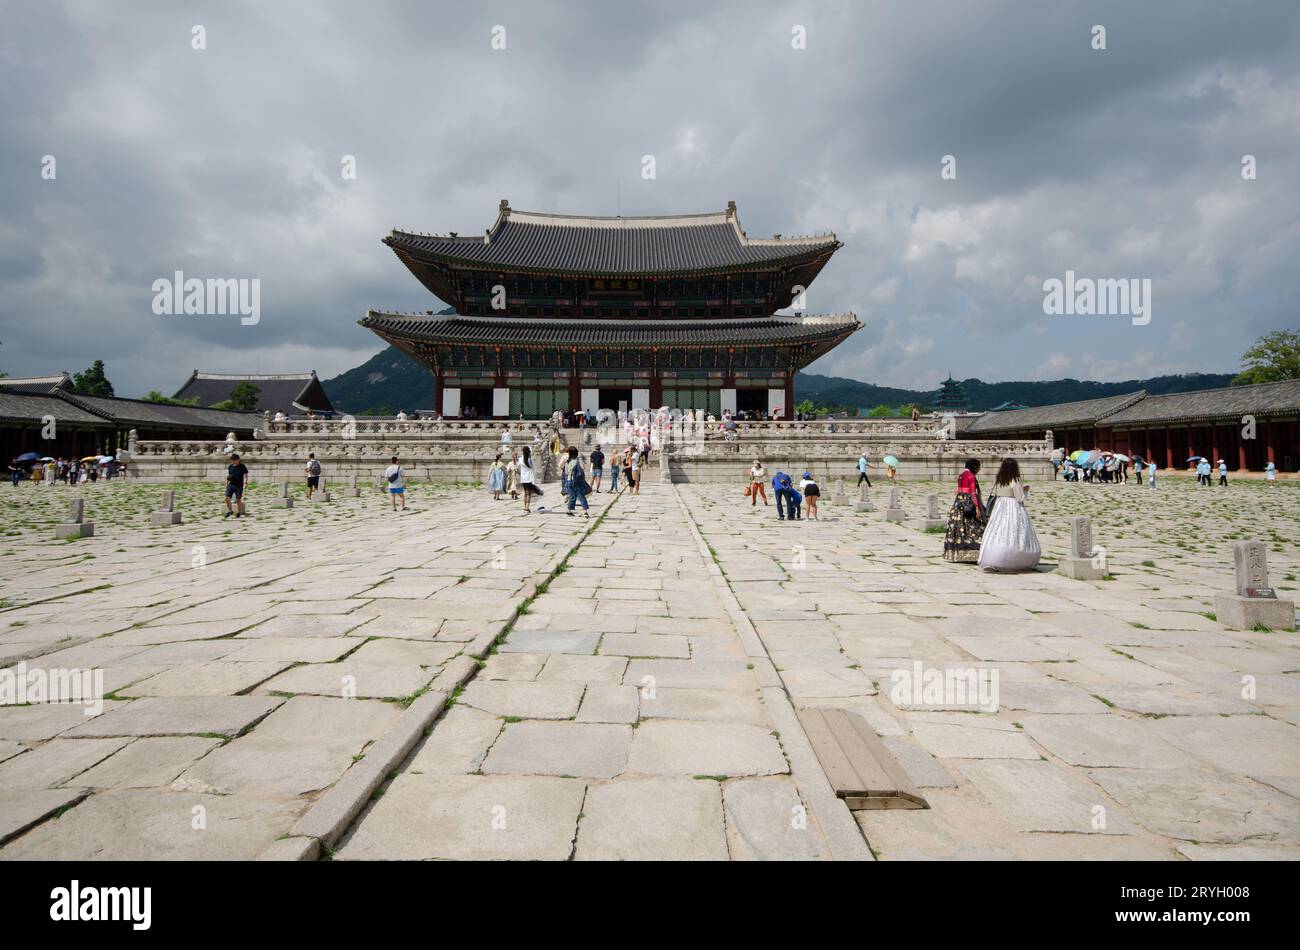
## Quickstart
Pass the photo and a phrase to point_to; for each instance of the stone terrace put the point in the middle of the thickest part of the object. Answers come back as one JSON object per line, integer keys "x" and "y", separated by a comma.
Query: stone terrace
{"x": 642, "y": 703}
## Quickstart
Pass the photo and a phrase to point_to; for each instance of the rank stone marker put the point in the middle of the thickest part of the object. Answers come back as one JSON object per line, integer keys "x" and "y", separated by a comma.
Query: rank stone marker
{"x": 282, "y": 499}
{"x": 895, "y": 510}
{"x": 1081, "y": 564}
{"x": 1255, "y": 604}
{"x": 321, "y": 493}
{"x": 932, "y": 517}
{"x": 76, "y": 526}
{"x": 352, "y": 490}
{"x": 864, "y": 503}
{"x": 166, "y": 513}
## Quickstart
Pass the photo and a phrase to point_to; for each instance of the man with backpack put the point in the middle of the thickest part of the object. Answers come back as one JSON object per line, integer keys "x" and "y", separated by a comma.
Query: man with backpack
{"x": 395, "y": 475}
{"x": 313, "y": 474}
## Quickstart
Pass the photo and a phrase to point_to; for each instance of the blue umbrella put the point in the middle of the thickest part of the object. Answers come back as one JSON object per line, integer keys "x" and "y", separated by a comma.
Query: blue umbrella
{"x": 28, "y": 457}
{"x": 1196, "y": 458}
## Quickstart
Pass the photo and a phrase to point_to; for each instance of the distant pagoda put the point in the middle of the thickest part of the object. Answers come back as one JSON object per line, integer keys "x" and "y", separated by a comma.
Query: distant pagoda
{"x": 559, "y": 312}
{"x": 951, "y": 397}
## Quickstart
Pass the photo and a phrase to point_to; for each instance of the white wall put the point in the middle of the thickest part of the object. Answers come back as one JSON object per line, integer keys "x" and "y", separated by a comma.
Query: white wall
{"x": 640, "y": 399}
{"x": 775, "y": 401}
{"x": 500, "y": 402}
{"x": 451, "y": 401}
{"x": 729, "y": 400}
{"x": 591, "y": 400}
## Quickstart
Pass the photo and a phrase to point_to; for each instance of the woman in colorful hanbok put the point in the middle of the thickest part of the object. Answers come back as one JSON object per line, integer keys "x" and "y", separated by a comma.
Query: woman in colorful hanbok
{"x": 1009, "y": 542}
{"x": 961, "y": 543}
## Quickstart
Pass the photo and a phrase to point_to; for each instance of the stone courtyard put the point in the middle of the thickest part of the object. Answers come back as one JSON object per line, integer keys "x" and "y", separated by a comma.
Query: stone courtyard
{"x": 462, "y": 681}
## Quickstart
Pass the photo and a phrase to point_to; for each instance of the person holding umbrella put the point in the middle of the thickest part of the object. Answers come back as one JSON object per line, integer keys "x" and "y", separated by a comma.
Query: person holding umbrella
{"x": 891, "y": 467}
{"x": 1203, "y": 471}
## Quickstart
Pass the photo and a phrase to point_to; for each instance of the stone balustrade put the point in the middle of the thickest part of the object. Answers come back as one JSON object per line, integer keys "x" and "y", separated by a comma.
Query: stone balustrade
{"x": 464, "y": 450}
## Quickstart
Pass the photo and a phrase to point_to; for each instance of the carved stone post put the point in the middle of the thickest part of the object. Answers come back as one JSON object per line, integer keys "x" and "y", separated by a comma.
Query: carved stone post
{"x": 1255, "y": 603}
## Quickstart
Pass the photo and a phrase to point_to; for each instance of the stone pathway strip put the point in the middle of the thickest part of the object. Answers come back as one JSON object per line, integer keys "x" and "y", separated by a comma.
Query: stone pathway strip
{"x": 632, "y": 700}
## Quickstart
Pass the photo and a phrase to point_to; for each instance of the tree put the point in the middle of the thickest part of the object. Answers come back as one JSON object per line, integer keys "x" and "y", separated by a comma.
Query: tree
{"x": 92, "y": 382}
{"x": 243, "y": 398}
{"x": 1274, "y": 357}
{"x": 807, "y": 407}
{"x": 154, "y": 395}
{"x": 881, "y": 412}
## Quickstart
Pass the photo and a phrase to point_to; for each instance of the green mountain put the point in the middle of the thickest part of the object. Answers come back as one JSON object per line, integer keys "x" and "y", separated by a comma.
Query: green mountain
{"x": 388, "y": 381}
{"x": 837, "y": 391}
{"x": 391, "y": 380}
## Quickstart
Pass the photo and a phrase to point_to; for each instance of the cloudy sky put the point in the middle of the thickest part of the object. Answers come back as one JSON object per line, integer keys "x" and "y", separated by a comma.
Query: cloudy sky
{"x": 226, "y": 162}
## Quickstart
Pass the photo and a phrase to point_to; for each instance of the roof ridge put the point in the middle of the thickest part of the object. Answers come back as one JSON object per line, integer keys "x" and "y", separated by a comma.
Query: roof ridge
{"x": 198, "y": 375}
{"x": 1134, "y": 396}
{"x": 22, "y": 380}
{"x": 1224, "y": 389}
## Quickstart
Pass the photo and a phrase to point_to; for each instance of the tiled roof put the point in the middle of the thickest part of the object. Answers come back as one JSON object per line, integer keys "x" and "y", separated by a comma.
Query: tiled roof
{"x": 518, "y": 331}
{"x": 1085, "y": 412}
{"x": 22, "y": 406}
{"x": 290, "y": 393}
{"x": 589, "y": 245}
{"x": 37, "y": 384}
{"x": 139, "y": 412}
{"x": 1232, "y": 402}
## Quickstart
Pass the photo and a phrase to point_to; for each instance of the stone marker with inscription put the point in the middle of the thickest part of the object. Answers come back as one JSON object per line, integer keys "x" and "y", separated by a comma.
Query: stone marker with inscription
{"x": 76, "y": 526}
{"x": 166, "y": 513}
{"x": 1083, "y": 563}
{"x": 352, "y": 491}
{"x": 321, "y": 493}
{"x": 933, "y": 519}
{"x": 1255, "y": 603}
{"x": 895, "y": 510}
{"x": 864, "y": 502}
{"x": 282, "y": 499}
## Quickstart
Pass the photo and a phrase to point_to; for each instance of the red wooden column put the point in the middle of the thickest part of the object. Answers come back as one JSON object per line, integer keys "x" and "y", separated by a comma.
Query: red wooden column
{"x": 1268, "y": 443}
{"x": 437, "y": 393}
{"x": 656, "y": 383}
{"x": 788, "y": 413}
{"x": 575, "y": 385}
{"x": 1169, "y": 448}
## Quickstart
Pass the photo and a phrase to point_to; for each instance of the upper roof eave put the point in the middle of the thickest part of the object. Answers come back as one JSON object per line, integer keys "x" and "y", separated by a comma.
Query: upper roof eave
{"x": 544, "y": 250}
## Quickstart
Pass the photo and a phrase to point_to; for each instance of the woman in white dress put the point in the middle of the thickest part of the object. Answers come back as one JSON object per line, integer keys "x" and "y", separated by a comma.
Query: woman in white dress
{"x": 1009, "y": 542}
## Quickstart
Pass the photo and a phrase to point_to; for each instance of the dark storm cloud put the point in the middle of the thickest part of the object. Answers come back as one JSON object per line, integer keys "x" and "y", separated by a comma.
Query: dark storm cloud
{"x": 226, "y": 163}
